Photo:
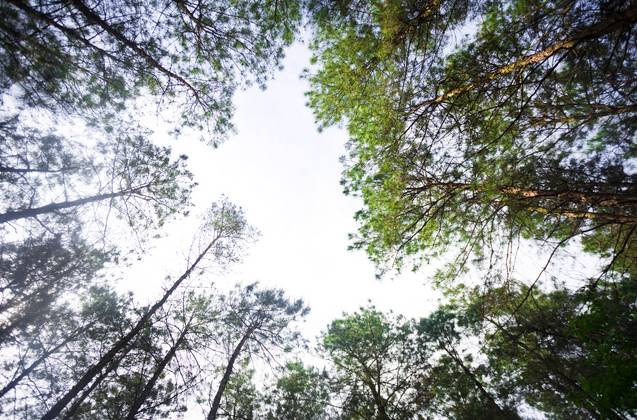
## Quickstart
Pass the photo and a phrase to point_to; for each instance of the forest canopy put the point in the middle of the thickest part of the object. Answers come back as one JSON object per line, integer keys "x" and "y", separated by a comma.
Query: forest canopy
{"x": 475, "y": 128}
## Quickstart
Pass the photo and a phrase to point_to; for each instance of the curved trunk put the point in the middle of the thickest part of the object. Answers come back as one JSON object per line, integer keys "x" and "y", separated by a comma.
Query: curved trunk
{"x": 137, "y": 404}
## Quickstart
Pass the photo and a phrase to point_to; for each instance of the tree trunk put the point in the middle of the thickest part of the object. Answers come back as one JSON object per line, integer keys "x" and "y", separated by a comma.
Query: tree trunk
{"x": 137, "y": 404}
{"x": 486, "y": 394}
{"x": 11, "y": 170}
{"x": 521, "y": 195}
{"x": 625, "y": 20}
{"x": 94, "y": 370}
{"x": 52, "y": 207}
{"x": 216, "y": 403}
{"x": 78, "y": 402}
{"x": 8, "y": 387}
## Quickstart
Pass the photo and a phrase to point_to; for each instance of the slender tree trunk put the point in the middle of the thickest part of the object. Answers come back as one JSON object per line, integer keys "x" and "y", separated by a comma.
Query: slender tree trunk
{"x": 26, "y": 372}
{"x": 121, "y": 344}
{"x": 78, "y": 402}
{"x": 52, "y": 207}
{"x": 486, "y": 394}
{"x": 216, "y": 402}
{"x": 592, "y": 215}
{"x": 562, "y": 198}
{"x": 11, "y": 170}
{"x": 566, "y": 196}
{"x": 544, "y": 120}
{"x": 137, "y": 404}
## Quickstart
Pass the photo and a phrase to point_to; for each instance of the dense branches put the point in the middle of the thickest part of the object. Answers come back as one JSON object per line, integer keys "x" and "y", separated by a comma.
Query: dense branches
{"x": 522, "y": 128}
{"x": 85, "y": 56}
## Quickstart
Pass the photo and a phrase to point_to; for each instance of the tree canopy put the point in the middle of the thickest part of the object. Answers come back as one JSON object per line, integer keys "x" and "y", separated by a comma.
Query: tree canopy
{"x": 475, "y": 123}
{"x": 93, "y": 57}
{"x": 475, "y": 128}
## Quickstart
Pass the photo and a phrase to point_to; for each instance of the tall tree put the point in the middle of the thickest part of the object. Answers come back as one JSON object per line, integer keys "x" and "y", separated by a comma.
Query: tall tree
{"x": 190, "y": 326}
{"x": 258, "y": 323}
{"x": 462, "y": 387}
{"x": 223, "y": 233}
{"x": 89, "y": 56}
{"x": 42, "y": 360}
{"x": 382, "y": 372}
{"x": 241, "y": 398}
{"x": 300, "y": 392}
{"x": 568, "y": 353}
{"x": 521, "y": 129}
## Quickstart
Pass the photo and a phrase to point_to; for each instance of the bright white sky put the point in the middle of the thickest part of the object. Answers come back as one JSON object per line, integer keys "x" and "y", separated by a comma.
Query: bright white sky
{"x": 285, "y": 174}
{"x": 286, "y": 177}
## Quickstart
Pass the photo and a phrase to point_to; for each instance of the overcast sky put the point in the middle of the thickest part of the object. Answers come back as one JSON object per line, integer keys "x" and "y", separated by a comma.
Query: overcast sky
{"x": 285, "y": 175}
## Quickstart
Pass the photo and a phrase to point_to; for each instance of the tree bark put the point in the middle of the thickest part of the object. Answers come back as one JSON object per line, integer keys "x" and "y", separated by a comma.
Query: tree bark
{"x": 52, "y": 207}
{"x": 585, "y": 198}
{"x": 94, "y": 370}
{"x": 78, "y": 402}
{"x": 137, "y": 404}
{"x": 12, "y": 170}
{"x": 625, "y": 20}
{"x": 216, "y": 403}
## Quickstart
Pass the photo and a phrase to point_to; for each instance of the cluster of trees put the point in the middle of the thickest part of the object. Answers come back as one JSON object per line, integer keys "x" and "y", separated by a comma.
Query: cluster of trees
{"x": 474, "y": 126}
{"x": 475, "y": 358}
{"x": 82, "y": 185}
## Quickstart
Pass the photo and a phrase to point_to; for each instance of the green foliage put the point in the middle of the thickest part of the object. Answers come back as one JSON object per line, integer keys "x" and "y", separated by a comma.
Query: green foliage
{"x": 300, "y": 392}
{"x": 520, "y": 129}
{"x": 566, "y": 352}
{"x": 241, "y": 400}
{"x": 51, "y": 181}
{"x": 92, "y": 57}
{"x": 380, "y": 371}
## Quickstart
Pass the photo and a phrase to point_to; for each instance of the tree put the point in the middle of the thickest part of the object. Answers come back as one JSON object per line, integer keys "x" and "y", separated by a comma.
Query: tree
{"x": 241, "y": 399}
{"x": 568, "y": 353}
{"x": 90, "y": 57}
{"x": 156, "y": 374}
{"x": 225, "y": 229}
{"x": 522, "y": 129}
{"x": 48, "y": 178}
{"x": 190, "y": 326}
{"x": 257, "y": 323}
{"x": 42, "y": 360}
{"x": 300, "y": 392}
{"x": 461, "y": 387}
{"x": 382, "y": 372}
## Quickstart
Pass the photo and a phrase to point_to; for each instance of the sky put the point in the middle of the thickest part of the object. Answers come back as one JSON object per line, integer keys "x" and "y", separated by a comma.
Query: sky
{"x": 285, "y": 175}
